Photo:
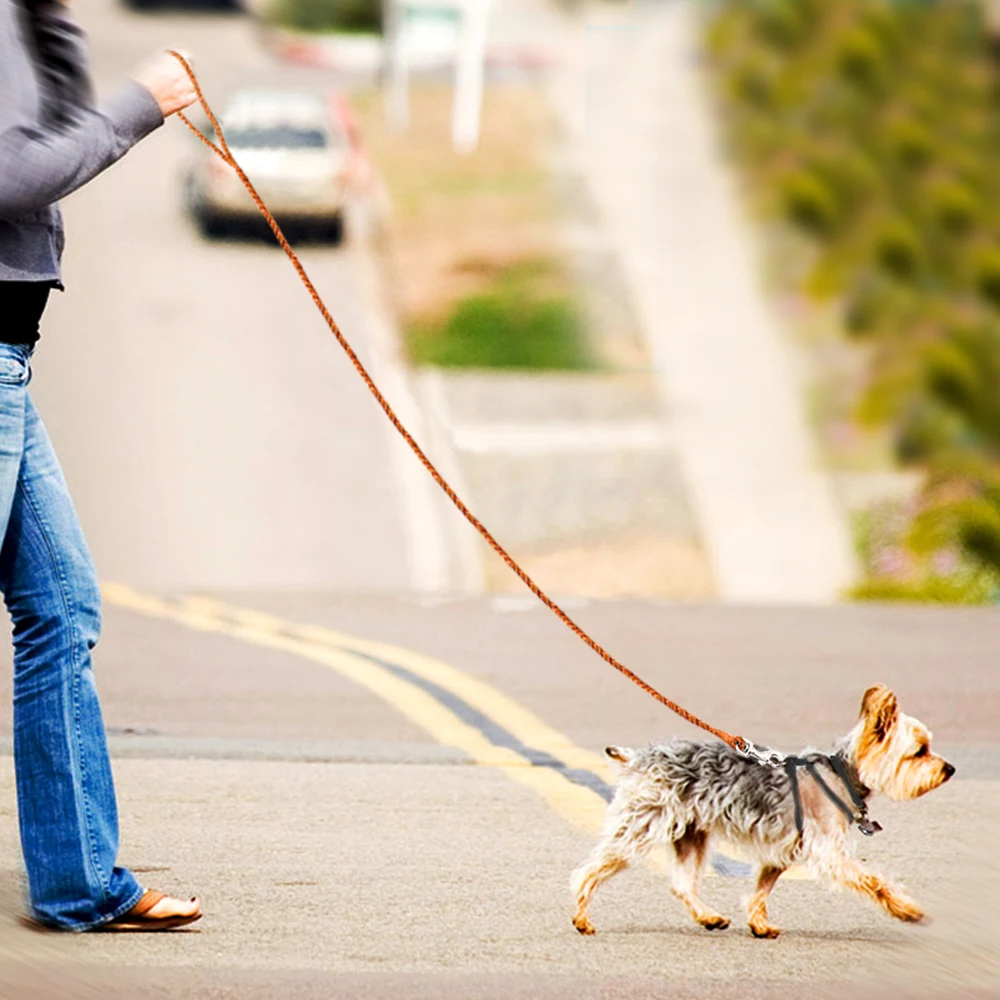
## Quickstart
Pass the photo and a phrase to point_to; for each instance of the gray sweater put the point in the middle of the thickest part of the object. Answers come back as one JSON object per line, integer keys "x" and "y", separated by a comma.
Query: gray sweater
{"x": 52, "y": 137}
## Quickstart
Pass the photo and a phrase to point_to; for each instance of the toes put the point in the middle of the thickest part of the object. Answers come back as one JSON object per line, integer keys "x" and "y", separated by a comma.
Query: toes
{"x": 764, "y": 932}
{"x": 584, "y": 926}
{"x": 171, "y": 907}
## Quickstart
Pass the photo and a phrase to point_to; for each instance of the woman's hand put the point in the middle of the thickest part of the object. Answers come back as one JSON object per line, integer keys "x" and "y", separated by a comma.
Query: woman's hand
{"x": 164, "y": 77}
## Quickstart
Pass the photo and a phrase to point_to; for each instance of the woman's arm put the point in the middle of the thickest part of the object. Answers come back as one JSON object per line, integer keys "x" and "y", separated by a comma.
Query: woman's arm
{"x": 39, "y": 166}
{"x": 42, "y": 163}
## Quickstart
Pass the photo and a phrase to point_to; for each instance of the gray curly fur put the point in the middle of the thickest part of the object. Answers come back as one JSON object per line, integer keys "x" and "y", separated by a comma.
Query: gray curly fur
{"x": 707, "y": 786}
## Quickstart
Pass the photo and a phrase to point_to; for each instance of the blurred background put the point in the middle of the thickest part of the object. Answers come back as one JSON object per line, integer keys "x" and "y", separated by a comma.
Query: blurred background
{"x": 688, "y": 300}
{"x": 693, "y": 302}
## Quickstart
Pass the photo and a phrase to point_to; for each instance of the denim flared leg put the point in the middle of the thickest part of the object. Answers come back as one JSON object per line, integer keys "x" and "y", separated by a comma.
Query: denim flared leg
{"x": 66, "y": 798}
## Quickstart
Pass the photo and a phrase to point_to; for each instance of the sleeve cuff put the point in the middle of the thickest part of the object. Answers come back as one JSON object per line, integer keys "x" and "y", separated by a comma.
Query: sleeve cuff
{"x": 133, "y": 112}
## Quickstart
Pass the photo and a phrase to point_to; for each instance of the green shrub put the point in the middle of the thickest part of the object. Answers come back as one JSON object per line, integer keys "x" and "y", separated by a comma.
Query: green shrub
{"x": 873, "y": 126}
{"x": 955, "y": 206}
{"x": 898, "y": 249}
{"x": 911, "y": 143}
{"x": 751, "y": 83}
{"x": 860, "y": 57}
{"x": 920, "y": 431}
{"x": 873, "y": 305}
{"x": 852, "y": 175}
{"x": 988, "y": 276}
{"x": 516, "y": 324}
{"x": 969, "y": 588}
{"x": 979, "y": 532}
{"x": 783, "y": 23}
{"x": 951, "y": 376}
{"x": 810, "y": 202}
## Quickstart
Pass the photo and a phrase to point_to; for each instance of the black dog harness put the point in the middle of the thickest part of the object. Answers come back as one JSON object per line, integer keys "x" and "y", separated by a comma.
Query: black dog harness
{"x": 858, "y": 815}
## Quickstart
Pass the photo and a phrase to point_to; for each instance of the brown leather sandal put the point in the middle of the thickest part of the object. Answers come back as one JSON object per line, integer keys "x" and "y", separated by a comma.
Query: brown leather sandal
{"x": 140, "y": 919}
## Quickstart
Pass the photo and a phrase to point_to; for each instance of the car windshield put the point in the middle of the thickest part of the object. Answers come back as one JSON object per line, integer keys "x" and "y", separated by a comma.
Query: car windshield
{"x": 276, "y": 137}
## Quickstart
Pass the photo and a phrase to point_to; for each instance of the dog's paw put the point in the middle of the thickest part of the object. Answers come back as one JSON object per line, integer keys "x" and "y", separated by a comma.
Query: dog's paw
{"x": 583, "y": 925}
{"x": 908, "y": 912}
{"x": 715, "y": 923}
{"x": 902, "y": 908}
{"x": 764, "y": 931}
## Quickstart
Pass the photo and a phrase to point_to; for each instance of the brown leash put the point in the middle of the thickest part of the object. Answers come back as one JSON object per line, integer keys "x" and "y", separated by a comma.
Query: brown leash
{"x": 222, "y": 150}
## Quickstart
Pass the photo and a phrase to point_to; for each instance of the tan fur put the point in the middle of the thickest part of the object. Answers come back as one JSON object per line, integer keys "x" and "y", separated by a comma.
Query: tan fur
{"x": 757, "y": 909}
{"x": 891, "y": 751}
{"x": 596, "y": 875}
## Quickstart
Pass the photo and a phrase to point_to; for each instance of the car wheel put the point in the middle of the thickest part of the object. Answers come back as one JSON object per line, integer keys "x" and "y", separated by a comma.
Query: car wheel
{"x": 334, "y": 230}
{"x": 210, "y": 225}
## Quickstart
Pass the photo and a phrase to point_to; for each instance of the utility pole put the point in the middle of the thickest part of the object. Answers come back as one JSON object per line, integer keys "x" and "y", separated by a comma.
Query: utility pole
{"x": 397, "y": 83}
{"x": 405, "y": 47}
{"x": 469, "y": 72}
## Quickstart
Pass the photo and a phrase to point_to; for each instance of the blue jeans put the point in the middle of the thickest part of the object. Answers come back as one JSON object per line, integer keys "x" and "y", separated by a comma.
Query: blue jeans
{"x": 65, "y": 793}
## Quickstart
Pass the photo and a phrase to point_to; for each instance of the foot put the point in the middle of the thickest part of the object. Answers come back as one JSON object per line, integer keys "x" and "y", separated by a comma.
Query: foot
{"x": 763, "y": 930}
{"x": 583, "y": 925}
{"x": 714, "y": 922}
{"x": 156, "y": 912}
{"x": 171, "y": 908}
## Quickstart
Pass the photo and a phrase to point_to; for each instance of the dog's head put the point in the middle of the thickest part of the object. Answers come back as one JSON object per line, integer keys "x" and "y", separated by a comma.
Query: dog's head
{"x": 892, "y": 751}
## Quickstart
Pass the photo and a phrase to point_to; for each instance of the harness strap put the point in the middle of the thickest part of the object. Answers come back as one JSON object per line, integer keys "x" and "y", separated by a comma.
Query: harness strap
{"x": 830, "y": 793}
{"x": 791, "y": 763}
{"x": 858, "y": 815}
{"x": 839, "y": 765}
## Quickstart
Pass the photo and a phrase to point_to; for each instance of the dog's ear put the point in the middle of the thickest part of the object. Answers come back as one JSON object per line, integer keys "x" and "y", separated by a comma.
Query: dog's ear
{"x": 880, "y": 711}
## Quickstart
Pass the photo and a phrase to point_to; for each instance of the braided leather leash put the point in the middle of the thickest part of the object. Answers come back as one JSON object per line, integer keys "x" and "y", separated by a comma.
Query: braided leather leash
{"x": 222, "y": 150}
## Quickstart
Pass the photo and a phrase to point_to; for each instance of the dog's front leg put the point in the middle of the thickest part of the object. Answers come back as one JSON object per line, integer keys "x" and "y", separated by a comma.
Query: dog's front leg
{"x": 852, "y": 875}
{"x": 757, "y": 910}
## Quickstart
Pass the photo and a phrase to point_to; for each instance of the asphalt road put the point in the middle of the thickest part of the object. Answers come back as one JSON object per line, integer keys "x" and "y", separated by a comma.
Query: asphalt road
{"x": 362, "y": 788}
{"x": 344, "y": 797}
{"x": 206, "y": 368}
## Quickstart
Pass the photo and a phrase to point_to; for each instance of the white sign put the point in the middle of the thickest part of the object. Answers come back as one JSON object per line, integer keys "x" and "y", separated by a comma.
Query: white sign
{"x": 428, "y": 34}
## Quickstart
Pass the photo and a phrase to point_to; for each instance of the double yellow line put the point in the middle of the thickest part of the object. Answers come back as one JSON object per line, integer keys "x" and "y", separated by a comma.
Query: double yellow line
{"x": 369, "y": 664}
{"x": 430, "y": 693}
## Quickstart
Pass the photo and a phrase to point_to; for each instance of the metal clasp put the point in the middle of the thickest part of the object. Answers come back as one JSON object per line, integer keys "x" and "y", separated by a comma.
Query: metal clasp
{"x": 763, "y": 755}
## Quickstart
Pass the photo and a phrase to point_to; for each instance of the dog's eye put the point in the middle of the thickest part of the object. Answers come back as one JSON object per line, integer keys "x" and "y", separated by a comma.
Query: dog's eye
{"x": 922, "y": 752}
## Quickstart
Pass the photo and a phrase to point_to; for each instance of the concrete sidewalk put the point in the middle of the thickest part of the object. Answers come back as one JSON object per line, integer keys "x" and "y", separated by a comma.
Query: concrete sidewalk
{"x": 632, "y": 98}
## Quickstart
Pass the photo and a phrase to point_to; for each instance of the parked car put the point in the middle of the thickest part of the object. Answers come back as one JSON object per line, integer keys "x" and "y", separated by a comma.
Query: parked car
{"x": 297, "y": 149}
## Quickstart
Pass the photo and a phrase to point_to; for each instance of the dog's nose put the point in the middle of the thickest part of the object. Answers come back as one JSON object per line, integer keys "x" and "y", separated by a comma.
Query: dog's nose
{"x": 949, "y": 770}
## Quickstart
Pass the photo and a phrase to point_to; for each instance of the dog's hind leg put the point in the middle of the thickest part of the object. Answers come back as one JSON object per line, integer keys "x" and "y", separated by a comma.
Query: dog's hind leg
{"x": 757, "y": 910}
{"x": 689, "y": 854}
{"x": 629, "y": 834}
{"x": 606, "y": 860}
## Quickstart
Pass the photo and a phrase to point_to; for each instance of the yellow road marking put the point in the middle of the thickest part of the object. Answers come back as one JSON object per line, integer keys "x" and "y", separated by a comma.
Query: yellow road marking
{"x": 576, "y": 804}
{"x": 503, "y": 710}
{"x": 579, "y": 806}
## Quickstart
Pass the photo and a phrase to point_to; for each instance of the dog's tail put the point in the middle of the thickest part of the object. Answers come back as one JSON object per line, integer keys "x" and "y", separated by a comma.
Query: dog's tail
{"x": 621, "y": 754}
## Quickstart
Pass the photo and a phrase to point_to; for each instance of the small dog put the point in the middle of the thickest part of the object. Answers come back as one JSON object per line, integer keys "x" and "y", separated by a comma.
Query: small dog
{"x": 682, "y": 794}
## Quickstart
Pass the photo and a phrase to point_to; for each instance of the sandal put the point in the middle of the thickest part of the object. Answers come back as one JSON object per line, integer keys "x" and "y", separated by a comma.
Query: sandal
{"x": 139, "y": 917}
